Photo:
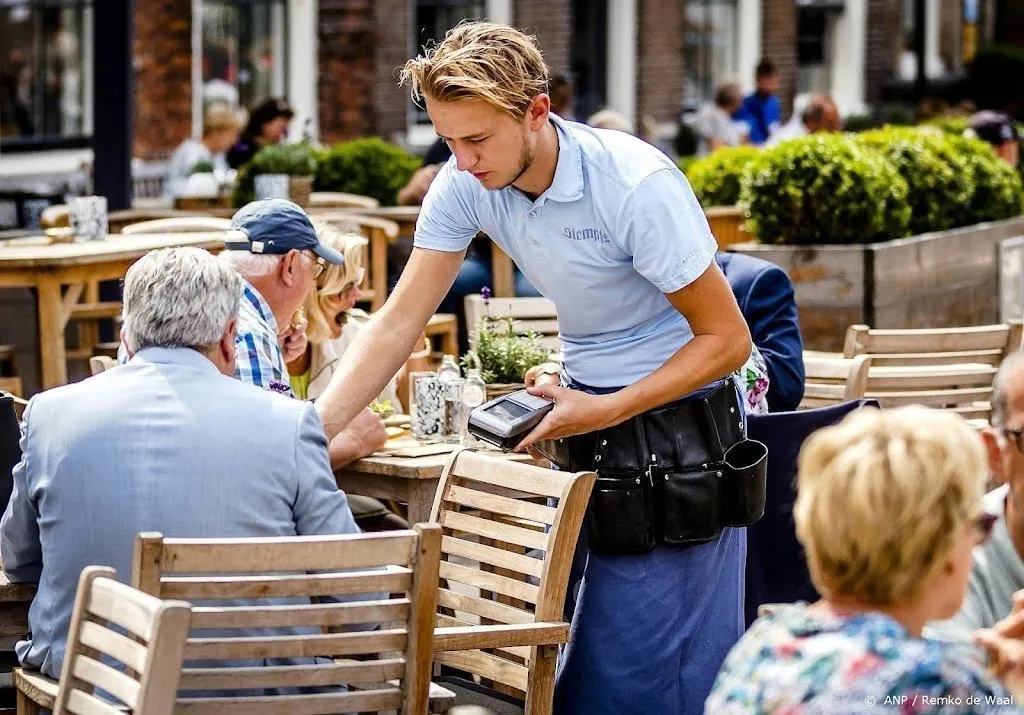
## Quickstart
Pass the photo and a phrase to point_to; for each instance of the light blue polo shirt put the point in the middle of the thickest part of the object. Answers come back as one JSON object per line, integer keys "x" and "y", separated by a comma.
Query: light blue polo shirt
{"x": 617, "y": 229}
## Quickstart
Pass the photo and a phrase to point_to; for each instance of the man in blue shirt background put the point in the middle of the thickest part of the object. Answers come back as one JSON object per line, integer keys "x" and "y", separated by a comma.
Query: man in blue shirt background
{"x": 762, "y": 109}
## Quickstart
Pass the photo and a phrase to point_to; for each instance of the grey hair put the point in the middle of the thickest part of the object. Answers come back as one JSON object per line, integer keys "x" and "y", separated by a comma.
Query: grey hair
{"x": 1000, "y": 400}
{"x": 179, "y": 298}
{"x": 252, "y": 265}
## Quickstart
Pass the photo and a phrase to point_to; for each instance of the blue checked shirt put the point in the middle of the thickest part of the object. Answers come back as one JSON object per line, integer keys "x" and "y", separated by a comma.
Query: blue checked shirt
{"x": 258, "y": 357}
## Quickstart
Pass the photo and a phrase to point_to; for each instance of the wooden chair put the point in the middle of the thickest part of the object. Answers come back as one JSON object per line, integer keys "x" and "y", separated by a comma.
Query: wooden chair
{"x": 379, "y": 232}
{"x": 340, "y": 200}
{"x": 12, "y": 386}
{"x": 101, "y": 363}
{"x": 187, "y": 224}
{"x": 536, "y": 314}
{"x": 150, "y": 656}
{"x": 965, "y": 389}
{"x": 363, "y": 567}
{"x": 986, "y": 344}
{"x": 488, "y": 509}
{"x": 445, "y": 328}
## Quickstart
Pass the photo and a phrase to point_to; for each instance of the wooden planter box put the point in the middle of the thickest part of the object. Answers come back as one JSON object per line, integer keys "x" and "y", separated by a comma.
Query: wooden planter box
{"x": 727, "y": 225}
{"x": 935, "y": 280}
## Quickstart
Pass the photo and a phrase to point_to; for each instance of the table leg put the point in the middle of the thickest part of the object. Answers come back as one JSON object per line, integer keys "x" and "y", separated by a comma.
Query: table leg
{"x": 421, "y": 500}
{"x": 378, "y": 267}
{"x": 503, "y": 270}
{"x": 52, "y": 357}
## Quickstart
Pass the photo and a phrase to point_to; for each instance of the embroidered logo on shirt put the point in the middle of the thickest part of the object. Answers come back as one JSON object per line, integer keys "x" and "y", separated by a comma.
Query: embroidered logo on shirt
{"x": 586, "y": 234}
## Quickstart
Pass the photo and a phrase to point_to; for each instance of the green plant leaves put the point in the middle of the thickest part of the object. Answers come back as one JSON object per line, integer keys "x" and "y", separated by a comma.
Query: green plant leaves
{"x": 369, "y": 167}
{"x": 716, "y": 178}
{"x": 502, "y": 354}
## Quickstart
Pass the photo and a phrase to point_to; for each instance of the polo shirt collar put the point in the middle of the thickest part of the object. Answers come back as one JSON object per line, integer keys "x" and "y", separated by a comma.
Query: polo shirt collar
{"x": 568, "y": 182}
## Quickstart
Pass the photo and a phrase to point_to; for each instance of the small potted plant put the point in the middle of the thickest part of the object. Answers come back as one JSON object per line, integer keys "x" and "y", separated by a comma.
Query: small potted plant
{"x": 502, "y": 354}
{"x": 280, "y": 171}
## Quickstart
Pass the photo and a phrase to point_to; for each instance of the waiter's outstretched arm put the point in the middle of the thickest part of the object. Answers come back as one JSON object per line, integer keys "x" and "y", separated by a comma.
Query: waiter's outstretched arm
{"x": 387, "y": 340}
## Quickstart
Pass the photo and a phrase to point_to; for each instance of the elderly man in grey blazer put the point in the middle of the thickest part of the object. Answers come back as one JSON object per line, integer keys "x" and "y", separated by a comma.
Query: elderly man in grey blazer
{"x": 169, "y": 442}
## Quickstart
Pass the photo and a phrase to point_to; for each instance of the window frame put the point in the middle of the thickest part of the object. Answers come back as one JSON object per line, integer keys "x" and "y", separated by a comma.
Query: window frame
{"x": 695, "y": 98}
{"x": 50, "y": 142}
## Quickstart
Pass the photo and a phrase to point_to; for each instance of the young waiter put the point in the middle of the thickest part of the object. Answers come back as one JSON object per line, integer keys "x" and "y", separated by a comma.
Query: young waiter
{"x": 607, "y": 227}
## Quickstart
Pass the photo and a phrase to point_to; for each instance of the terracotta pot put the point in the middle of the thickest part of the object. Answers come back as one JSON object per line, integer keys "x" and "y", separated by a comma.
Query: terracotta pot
{"x": 727, "y": 225}
{"x": 299, "y": 189}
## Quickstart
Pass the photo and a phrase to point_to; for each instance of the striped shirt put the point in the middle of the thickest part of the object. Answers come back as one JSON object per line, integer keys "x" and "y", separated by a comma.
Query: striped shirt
{"x": 258, "y": 356}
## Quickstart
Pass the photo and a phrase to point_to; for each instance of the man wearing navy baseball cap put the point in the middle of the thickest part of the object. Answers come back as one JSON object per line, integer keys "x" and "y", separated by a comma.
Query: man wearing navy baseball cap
{"x": 999, "y": 130}
{"x": 275, "y": 249}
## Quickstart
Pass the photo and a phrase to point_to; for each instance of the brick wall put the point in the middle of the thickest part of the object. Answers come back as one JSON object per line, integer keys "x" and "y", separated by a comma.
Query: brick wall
{"x": 163, "y": 76}
{"x": 778, "y": 31}
{"x": 660, "y": 59}
{"x": 346, "y": 84}
{"x": 884, "y": 43}
{"x": 551, "y": 22}
{"x": 394, "y": 30}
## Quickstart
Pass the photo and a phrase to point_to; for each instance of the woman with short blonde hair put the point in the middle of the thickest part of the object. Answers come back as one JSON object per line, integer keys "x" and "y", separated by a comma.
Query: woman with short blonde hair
{"x": 888, "y": 510}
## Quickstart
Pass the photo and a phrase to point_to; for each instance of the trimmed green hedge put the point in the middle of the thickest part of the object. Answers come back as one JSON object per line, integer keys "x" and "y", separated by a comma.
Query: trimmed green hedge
{"x": 998, "y": 194}
{"x": 939, "y": 180}
{"x": 715, "y": 178}
{"x": 369, "y": 167}
{"x": 824, "y": 189}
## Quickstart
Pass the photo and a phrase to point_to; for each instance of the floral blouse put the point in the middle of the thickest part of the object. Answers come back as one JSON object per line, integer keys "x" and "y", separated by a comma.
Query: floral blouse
{"x": 794, "y": 661}
{"x": 752, "y": 380}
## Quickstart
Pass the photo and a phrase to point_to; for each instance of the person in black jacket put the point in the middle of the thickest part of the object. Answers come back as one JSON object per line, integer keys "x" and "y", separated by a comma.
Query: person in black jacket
{"x": 268, "y": 125}
{"x": 765, "y": 296}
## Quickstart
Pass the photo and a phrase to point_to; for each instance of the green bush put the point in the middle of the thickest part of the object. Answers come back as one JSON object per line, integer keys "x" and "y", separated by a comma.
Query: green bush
{"x": 998, "y": 192}
{"x": 715, "y": 178}
{"x": 291, "y": 159}
{"x": 203, "y": 166}
{"x": 369, "y": 167}
{"x": 937, "y": 176}
{"x": 502, "y": 354}
{"x": 955, "y": 126}
{"x": 824, "y": 189}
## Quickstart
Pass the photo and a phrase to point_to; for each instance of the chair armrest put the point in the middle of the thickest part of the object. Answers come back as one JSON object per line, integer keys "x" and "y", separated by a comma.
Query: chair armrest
{"x": 500, "y": 636}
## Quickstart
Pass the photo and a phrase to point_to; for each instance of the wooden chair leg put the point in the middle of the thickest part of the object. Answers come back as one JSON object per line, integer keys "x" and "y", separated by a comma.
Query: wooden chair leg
{"x": 540, "y": 694}
{"x": 26, "y": 706}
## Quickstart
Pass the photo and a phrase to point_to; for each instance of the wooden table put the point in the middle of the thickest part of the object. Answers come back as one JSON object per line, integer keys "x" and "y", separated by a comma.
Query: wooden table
{"x": 412, "y": 480}
{"x": 15, "y": 598}
{"x": 60, "y": 271}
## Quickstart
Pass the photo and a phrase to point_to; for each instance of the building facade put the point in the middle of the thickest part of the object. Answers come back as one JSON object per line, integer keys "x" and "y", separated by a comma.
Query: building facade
{"x": 336, "y": 61}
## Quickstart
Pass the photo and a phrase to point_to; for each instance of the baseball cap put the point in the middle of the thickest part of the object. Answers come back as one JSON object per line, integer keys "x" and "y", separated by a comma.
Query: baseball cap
{"x": 994, "y": 127}
{"x": 276, "y": 226}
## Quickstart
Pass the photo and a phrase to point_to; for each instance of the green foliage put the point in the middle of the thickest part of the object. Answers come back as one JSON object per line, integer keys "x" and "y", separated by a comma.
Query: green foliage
{"x": 824, "y": 189}
{"x": 952, "y": 125}
{"x": 998, "y": 192}
{"x": 203, "y": 166}
{"x": 369, "y": 167}
{"x": 291, "y": 159}
{"x": 937, "y": 176}
{"x": 715, "y": 178}
{"x": 502, "y": 354}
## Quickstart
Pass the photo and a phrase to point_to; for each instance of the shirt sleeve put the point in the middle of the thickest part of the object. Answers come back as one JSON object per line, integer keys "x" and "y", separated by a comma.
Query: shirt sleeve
{"x": 446, "y": 221}
{"x": 666, "y": 232}
{"x": 20, "y": 547}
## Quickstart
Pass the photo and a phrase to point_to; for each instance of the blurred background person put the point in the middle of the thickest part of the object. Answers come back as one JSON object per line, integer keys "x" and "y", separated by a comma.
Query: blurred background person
{"x": 267, "y": 126}
{"x": 1000, "y": 131}
{"x": 762, "y": 110}
{"x": 608, "y": 118}
{"x": 714, "y": 123}
{"x": 888, "y": 510}
{"x": 819, "y": 115}
{"x": 220, "y": 132}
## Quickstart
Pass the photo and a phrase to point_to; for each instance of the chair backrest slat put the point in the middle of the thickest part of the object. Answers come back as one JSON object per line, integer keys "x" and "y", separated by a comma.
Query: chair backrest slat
{"x": 141, "y": 674}
{"x": 862, "y": 340}
{"x": 262, "y": 588}
{"x": 184, "y": 224}
{"x": 498, "y": 513}
{"x": 529, "y": 314}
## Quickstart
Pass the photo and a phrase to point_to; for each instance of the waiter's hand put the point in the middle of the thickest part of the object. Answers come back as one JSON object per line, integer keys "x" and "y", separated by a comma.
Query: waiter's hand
{"x": 575, "y": 413}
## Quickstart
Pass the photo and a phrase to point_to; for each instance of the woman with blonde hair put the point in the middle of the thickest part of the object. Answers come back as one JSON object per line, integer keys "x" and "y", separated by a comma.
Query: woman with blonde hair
{"x": 888, "y": 510}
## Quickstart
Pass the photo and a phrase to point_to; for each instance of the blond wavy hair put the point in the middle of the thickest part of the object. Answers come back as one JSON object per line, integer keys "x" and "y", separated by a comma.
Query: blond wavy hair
{"x": 882, "y": 498}
{"x": 480, "y": 60}
{"x": 335, "y": 280}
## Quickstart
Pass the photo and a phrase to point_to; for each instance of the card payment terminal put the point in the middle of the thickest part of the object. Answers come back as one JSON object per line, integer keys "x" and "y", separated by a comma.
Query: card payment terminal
{"x": 506, "y": 420}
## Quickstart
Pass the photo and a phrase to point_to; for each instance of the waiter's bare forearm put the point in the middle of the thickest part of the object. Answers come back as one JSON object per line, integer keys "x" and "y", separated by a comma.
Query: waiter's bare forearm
{"x": 387, "y": 340}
